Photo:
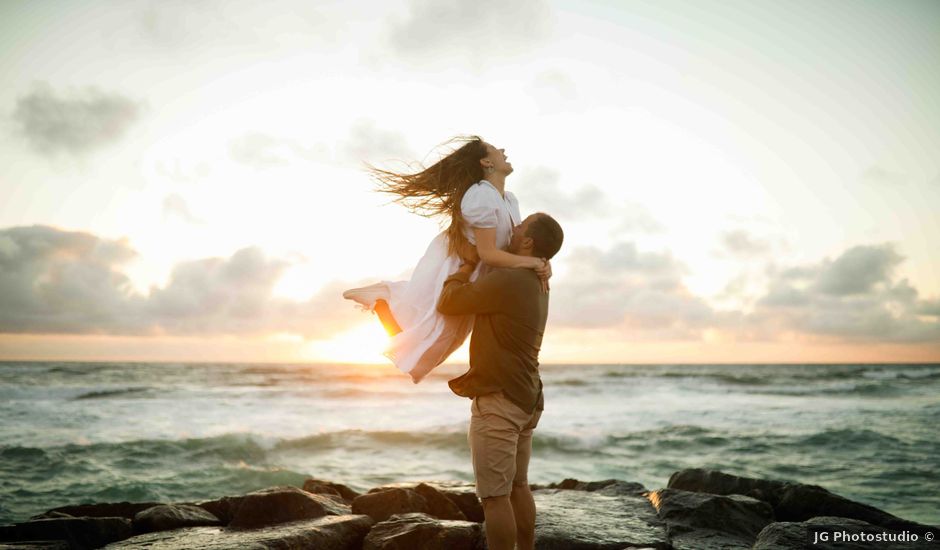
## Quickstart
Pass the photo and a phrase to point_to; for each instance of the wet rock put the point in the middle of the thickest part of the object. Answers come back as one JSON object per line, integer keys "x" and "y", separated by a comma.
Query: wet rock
{"x": 417, "y": 530}
{"x": 738, "y": 514}
{"x": 324, "y": 487}
{"x": 83, "y": 532}
{"x": 382, "y": 504}
{"x": 439, "y": 506}
{"x": 705, "y": 521}
{"x": 100, "y": 510}
{"x": 792, "y": 502}
{"x": 36, "y": 545}
{"x": 282, "y": 504}
{"x": 788, "y": 535}
{"x": 164, "y": 517}
{"x": 461, "y": 493}
{"x": 608, "y": 486}
{"x": 325, "y": 533}
{"x": 582, "y": 520}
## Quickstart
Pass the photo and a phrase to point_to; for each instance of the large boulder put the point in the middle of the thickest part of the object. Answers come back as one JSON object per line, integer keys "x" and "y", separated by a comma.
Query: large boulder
{"x": 416, "y": 530}
{"x": 704, "y": 521}
{"x": 588, "y": 520}
{"x": 792, "y": 502}
{"x": 100, "y": 510}
{"x": 326, "y": 533}
{"x": 282, "y": 504}
{"x": 323, "y": 487}
{"x": 830, "y": 533}
{"x": 164, "y": 517}
{"x": 84, "y": 532}
{"x": 461, "y": 493}
{"x": 439, "y": 506}
{"x": 381, "y": 505}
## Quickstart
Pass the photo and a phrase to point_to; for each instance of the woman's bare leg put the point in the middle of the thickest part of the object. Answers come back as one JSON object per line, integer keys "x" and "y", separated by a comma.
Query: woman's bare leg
{"x": 385, "y": 315}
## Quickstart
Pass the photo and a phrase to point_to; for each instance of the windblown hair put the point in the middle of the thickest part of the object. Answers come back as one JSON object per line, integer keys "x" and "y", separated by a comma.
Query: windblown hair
{"x": 438, "y": 189}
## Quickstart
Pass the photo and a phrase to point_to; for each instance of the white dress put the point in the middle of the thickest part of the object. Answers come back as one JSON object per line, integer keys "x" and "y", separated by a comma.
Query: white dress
{"x": 428, "y": 337}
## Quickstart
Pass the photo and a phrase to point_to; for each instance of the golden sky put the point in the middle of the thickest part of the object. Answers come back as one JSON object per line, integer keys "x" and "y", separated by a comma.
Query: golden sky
{"x": 739, "y": 181}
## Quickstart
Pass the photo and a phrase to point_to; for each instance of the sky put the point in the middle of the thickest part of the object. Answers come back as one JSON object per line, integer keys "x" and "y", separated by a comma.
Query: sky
{"x": 738, "y": 181}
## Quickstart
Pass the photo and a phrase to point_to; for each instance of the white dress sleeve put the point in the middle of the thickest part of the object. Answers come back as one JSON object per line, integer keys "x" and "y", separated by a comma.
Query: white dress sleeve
{"x": 480, "y": 205}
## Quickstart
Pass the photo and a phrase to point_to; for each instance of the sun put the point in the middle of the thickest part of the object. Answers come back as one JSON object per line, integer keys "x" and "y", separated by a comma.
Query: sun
{"x": 362, "y": 344}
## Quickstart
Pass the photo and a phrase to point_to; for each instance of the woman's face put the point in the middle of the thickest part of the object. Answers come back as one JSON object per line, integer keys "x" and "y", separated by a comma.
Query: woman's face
{"x": 497, "y": 160}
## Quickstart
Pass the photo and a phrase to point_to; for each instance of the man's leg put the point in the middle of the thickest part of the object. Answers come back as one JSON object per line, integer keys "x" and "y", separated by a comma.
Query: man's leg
{"x": 523, "y": 510}
{"x": 523, "y": 504}
{"x": 500, "y": 523}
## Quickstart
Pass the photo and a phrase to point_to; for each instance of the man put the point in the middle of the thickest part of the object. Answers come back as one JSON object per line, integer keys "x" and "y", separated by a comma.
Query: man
{"x": 503, "y": 381}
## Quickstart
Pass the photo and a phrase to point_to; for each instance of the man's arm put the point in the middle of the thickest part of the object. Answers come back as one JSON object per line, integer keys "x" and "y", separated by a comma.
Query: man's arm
{"x": 461, "y": 297}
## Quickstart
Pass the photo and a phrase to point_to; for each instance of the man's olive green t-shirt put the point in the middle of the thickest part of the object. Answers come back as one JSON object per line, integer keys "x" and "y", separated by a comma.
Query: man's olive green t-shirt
{"x": 511, "y": 311}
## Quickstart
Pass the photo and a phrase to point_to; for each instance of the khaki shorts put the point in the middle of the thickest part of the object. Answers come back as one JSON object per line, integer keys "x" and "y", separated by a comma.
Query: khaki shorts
{"x": 500, "y": 438}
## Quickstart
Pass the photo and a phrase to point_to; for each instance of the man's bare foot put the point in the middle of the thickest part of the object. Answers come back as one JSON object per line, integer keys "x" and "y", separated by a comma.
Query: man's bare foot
{"x": 385, "y": 315}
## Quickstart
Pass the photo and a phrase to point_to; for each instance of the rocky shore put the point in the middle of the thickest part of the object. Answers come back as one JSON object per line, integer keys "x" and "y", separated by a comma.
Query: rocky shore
{"x": 697, "y": 510}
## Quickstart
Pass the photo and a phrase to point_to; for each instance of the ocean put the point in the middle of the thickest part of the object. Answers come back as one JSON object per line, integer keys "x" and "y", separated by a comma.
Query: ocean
{"x": 95, "y": 432}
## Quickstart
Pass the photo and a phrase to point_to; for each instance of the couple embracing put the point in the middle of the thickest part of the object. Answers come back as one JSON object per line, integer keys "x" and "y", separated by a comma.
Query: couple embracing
{"x": 487, "y": 272}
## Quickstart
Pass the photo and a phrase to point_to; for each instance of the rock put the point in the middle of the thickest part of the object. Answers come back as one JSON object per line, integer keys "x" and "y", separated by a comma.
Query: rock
{"x": 83, "y": 532}
{"x": 609, "y": 486}
{"x": 325, "y": 533}
{"x": 101, "y": 510}
{"x": 164, "y": 517}
{"x": 417, "y": 530}
{"x": 704, "y": 520}
{"x": 282, "y": 504}
{"x": 321, "y": 486}
{"x": 439, "y": 506}
{"x": 36, "y": 545}
{"x": 792, "y": 502}
{"x": 381, "y": 505}
{"x": 582, "y": 520}
{"x": 461, "y": 493}
{"x": 737, "y": 514}
{"x": 788, "y": 535}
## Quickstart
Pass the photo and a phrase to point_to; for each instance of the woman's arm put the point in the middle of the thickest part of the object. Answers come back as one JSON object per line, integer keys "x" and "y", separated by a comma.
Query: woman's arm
{"x": 494, "y": 257}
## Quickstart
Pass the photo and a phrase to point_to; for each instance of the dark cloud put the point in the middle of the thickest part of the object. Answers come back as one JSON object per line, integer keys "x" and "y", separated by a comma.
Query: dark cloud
{"x": 437, "y": 30}
{"x": 175, "y": 206}
{"x": 77, "y": 123}
{"x": 853, "y": 298}
{"x": 69, "y": 282}
{"x": 622, "y": 286}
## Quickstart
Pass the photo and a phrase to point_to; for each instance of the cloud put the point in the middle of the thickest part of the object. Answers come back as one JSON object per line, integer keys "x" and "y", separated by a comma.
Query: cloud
{"x": 540, "y": 189}
{"x": 854, "y": 298}
{"x": 78, "y": 124}
{"x": 175, "y": 205}
{"x": 478, "y": 31}
{"x": 554, "y": 91}
{"x": 621, "y": 286}
{"x": 368, "y": 143}
{"x": 876, "y": 175}
{"x": 261, "y": 151}
{"x": 741, "y": 244}
{"x": 69, "y": 282}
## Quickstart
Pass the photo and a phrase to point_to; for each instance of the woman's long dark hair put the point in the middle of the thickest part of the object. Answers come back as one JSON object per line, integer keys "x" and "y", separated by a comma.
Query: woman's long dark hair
{"x": 438, "y": 189}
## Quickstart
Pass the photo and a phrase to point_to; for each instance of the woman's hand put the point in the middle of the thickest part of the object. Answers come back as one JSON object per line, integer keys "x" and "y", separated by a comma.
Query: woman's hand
{"x": 544, "y": 271}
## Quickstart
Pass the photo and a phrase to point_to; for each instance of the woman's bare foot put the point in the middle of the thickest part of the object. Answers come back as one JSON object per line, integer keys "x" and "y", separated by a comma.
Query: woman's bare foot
{"x": 385, "y": 315}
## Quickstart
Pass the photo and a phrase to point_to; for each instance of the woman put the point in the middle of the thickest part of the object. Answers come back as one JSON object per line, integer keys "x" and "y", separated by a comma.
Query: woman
{"x": 468, "y": 185}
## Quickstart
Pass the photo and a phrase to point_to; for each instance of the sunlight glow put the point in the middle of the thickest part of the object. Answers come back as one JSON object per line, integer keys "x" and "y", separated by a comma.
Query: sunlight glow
{"x": 363, "y": 344}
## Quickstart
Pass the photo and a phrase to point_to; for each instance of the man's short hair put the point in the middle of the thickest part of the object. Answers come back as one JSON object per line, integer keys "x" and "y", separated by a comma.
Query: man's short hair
{"x": 546, "y": 235}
